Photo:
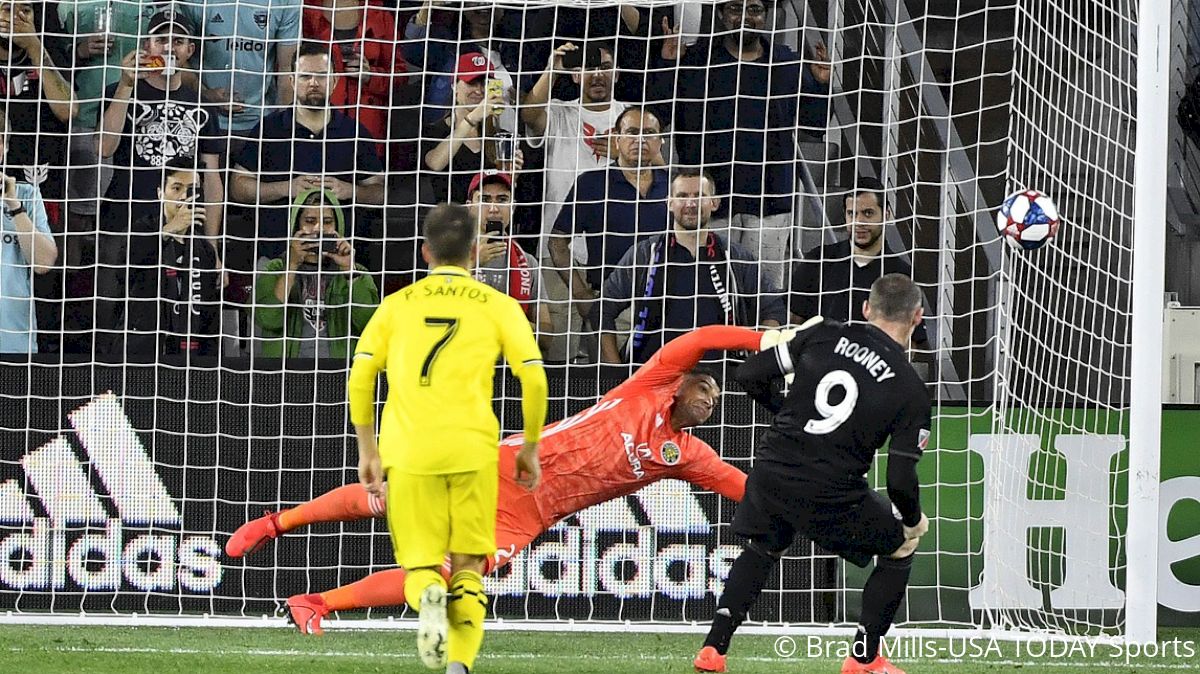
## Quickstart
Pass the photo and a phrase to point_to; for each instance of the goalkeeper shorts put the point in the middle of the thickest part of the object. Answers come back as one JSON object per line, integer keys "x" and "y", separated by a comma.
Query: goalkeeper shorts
{"x": 432, "y": 515}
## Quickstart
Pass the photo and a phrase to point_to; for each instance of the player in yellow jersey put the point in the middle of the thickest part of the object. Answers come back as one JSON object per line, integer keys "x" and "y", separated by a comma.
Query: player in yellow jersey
{"x": 439, "y": 340}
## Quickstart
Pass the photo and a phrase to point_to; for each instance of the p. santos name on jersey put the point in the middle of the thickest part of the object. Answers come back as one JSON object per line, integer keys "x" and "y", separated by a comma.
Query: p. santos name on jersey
{"x": 865, "y": 356}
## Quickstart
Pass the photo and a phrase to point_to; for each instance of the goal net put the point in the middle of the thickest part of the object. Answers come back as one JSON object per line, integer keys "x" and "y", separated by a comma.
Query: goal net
{"x": 191, "y": 356}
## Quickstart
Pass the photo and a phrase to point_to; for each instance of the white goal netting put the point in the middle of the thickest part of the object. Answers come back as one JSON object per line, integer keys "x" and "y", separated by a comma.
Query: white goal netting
{"x": 208, "y": 231}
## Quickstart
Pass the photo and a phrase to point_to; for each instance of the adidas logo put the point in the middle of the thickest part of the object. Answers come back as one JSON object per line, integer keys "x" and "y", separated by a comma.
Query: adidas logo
{"x": 128, "y": 551}
{"x": 606, "y": 549}
{"x": 217, "y": 18}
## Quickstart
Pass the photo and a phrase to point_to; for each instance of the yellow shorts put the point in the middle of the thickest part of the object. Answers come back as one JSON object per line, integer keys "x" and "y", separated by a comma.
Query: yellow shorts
{"x": 431, "y": 515}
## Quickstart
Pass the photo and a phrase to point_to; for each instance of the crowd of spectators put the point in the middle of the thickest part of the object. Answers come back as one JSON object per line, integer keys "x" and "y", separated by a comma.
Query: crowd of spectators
{"x": 211, "y": 177}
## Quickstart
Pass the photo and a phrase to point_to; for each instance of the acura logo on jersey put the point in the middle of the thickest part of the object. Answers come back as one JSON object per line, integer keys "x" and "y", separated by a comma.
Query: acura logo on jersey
{"x": 112, "y": 552}
{"x": 635, "y": 454}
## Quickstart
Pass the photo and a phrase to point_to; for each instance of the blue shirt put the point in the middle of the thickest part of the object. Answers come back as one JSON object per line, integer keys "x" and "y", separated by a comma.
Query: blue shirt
{"x": 241, "y": 38}
{"x": 18, "y": 324}
{"x": 611, "y": 215}
{"x": 344, "y": 149}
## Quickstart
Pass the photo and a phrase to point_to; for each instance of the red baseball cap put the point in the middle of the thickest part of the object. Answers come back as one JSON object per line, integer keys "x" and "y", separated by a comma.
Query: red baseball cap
{"x": 472, "y": 66}
{"x": 481, "y": 178}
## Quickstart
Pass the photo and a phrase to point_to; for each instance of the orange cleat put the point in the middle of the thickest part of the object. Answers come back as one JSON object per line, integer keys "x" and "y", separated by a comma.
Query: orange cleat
{"x": 253, "y": 535}
{"x": 305, "y": 612}
{"x": 709, "y": 660}
{"x": 879, "y": 665}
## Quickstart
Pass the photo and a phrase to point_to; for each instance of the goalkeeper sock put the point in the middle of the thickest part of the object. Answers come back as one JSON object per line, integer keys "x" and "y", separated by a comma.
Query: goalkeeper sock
{"x": 746, "y": 579}
{"x": 385, "y": 588}
{"x": 466, "y": 608}
{"x": 344, "y": 504}
{"x": 881, "y": 598}
{"x": 417, "y": 581}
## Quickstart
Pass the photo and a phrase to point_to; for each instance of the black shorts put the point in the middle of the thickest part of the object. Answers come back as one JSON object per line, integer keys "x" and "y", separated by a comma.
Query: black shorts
{"x": 859, "y": 526}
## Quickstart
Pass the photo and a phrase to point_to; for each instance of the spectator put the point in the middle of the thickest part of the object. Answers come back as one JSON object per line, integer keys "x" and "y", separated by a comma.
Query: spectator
{"x": 152, "y": 117}
{"x": 39, "y": 105}
{"x": 103, "y": 33}
{"x": 689, "y": 277}
{"x": 459, "y": 145}
{"x": 246, "y": 53}
{"x": 303, "y": 147}
{"x": 736, "y": 103}
{"x": 611, "y": 208}
{"x": 314, "y": 301}
{"x": 501, "y": 263}
{"x": 366, "y": 51}
{"x": 165, "y": 277}
{"x": 833, "y": 281}
{"x": 576, "y": 136}
{"x": 437, "y": 46}
{"x": 26, "y": 248}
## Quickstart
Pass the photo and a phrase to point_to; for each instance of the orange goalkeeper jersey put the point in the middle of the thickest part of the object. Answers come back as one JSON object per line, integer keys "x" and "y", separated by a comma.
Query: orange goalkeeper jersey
{"x": 625, "y": 441}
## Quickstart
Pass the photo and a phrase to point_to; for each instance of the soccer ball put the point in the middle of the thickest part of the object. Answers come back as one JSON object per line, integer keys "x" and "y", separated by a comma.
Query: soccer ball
{"x": 1027, "y": 220}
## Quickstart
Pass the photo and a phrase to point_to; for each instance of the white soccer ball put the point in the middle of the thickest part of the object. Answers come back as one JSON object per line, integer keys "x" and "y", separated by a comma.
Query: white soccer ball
{"x": 1027, "y": 220}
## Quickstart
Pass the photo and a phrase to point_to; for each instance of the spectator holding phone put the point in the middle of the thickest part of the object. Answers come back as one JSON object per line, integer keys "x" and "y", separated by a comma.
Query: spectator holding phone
{"x": 160, "y": 285}
{"x": 152, "y": 117}
{"x": 26, "y": 248}
{"x": 500, "y": 262}
{"x": 314, "y": 301}
{"x": 469, "y": 139}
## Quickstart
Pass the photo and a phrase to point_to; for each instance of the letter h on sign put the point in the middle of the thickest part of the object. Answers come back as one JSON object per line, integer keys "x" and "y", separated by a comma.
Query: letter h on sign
{"x": 1083, "y": 516}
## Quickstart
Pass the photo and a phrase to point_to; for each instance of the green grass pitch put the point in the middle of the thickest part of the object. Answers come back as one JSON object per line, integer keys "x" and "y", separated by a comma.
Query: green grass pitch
{"x": 136, "y": 650}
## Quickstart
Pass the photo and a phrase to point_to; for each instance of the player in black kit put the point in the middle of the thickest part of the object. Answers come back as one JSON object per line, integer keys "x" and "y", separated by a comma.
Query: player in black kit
{"x": 853, "y": 388}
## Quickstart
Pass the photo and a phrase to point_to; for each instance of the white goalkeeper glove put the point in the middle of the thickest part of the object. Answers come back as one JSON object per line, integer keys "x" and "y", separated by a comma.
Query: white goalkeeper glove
{"x": 776, "y": 336}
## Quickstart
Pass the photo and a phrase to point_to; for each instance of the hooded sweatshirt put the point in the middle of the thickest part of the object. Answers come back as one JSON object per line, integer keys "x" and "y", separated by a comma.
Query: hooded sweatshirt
{"x": 327, "y": 307}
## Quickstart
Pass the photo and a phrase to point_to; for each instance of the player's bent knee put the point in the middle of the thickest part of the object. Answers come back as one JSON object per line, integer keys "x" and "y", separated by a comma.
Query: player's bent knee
{"x": 763, "y": 549}
{"x": 906, "y": 549}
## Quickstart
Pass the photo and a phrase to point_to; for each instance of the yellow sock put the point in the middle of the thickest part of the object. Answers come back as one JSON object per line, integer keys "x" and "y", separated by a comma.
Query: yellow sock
{"x": 416, "y": 582}
{"x": 466, "y": 610}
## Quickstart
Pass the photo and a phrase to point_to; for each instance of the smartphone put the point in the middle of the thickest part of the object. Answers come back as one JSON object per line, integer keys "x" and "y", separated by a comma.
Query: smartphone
{"x": 329, "y": 246}
{"x": 494, "y": 227}
{"x": 588, "y": 54}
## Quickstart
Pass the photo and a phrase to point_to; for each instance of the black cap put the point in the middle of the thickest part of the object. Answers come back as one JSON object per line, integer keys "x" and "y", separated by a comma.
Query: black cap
{"x": 173, "y": 19}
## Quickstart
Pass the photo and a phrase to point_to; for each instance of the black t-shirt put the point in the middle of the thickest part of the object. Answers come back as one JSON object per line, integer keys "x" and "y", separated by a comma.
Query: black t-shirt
{"x": 159, "y": 126}
{"x": 829, "y": 283}
{"x": 451, "y": 183}
{"x": 37, "y": 140}
{"x": 854, "y": 388}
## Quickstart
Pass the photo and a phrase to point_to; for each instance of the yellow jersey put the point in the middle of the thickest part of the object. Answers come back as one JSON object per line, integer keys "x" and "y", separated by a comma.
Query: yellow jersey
{"x": 439, "y": 340}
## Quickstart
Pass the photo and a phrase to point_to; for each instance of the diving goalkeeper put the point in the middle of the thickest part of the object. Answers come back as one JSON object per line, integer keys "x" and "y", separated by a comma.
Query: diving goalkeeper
{"x": 583, "y": 460}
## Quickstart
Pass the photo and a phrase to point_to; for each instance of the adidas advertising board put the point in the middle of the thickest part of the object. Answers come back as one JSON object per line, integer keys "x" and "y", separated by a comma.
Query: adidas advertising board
{"x": 120, "y": 484}
{"x": 133, "y": 540}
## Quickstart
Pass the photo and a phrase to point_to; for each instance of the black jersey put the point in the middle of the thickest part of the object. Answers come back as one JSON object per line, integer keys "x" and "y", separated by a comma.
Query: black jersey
{"x": 854, "y": 387}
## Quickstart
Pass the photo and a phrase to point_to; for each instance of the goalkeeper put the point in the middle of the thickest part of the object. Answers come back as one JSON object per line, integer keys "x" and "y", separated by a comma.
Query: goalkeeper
{"x": 584, "y": 459}
{"x": 439, "y": 340}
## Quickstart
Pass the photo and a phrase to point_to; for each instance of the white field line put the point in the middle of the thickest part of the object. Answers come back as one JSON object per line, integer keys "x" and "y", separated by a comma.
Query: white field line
{"x": 616, "y": 657}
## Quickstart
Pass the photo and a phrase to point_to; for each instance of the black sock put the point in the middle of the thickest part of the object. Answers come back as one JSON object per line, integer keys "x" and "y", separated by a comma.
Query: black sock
{"x": 881, "y": 598}
{"x": 745, "y": 582}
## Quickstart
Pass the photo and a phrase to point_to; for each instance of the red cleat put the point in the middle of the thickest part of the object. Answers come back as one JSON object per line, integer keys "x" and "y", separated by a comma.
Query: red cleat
{"x": 709, "y": 660}
{"x": 879, "y": 665}
{"x": 253, "y": 535}
{"x": 305, "y": 612}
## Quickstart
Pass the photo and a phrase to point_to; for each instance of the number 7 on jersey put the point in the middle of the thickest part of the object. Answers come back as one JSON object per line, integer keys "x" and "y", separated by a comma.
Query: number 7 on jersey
{"x": 450, "y": 325}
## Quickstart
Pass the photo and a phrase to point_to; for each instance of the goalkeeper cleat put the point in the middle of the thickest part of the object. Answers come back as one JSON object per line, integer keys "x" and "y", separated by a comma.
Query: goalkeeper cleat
{"x": 305, "y": 612}
{"x": 709, "y": 660}
{"x": 879, "y": 665}
{"x": 433, "y": 627}
{"x": 253, "y": 535}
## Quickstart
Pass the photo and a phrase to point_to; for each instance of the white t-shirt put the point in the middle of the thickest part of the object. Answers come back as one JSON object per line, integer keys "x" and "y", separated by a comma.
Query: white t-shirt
{"x": 569, "y": 131}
